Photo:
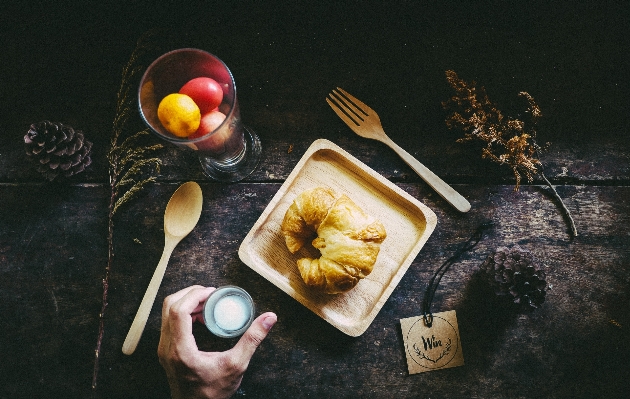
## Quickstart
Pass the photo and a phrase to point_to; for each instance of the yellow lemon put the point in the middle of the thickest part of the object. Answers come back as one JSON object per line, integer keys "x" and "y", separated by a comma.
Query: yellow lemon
{"x": 179, "y": 114}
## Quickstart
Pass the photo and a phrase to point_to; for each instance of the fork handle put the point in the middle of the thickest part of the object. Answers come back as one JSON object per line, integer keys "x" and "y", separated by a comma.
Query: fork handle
{"x": 440, "y": 186}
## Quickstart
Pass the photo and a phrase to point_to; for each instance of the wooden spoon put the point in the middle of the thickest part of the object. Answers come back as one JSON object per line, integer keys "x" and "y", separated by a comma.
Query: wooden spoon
{"x": 180, "y": 217}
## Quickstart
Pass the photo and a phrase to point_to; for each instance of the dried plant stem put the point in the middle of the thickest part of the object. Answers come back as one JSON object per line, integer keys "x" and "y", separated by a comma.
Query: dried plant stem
{"x": 509, "y": 141}
{"x": 566, "y": 211}
{"x": 128, "y": 167}
{"x": 110, "y": 257}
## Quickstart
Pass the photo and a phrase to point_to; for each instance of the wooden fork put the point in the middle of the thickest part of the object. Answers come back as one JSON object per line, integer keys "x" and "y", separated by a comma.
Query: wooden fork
{"x": 366, "y": 123}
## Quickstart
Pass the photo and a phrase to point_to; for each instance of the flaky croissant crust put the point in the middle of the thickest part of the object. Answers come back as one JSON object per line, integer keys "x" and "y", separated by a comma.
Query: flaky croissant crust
{"x": 348, "y": 239}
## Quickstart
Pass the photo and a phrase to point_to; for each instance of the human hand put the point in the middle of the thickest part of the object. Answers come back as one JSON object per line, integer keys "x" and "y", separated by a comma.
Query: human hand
{"x": 196, "y": 374}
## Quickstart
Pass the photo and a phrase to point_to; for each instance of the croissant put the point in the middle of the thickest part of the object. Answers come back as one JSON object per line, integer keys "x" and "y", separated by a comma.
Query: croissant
{"x": 348, "y": 239}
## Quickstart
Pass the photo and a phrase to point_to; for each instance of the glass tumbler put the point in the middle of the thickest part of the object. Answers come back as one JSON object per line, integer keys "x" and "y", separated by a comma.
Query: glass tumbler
{"x": 230, "y": 152}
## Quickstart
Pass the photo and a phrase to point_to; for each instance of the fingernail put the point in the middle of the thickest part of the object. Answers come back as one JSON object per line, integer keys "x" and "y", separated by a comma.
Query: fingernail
{"x": 269, "y": 322}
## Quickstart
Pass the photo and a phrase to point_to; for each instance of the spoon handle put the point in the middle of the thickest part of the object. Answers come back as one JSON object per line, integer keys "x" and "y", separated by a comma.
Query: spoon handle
{"x": 137, "y": 327}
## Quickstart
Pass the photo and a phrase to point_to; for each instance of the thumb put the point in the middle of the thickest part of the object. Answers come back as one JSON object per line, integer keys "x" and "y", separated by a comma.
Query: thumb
{"x": 255, "y": 334}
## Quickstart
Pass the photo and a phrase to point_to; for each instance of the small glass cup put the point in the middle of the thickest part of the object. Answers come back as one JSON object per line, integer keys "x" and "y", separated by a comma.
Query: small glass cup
{"x": 228, "y": 311}
{"x": 229, "y": 153}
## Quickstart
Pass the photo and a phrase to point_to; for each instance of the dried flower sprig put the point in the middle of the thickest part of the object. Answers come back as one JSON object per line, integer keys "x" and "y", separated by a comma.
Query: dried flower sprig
{"x": 509, "y": 141}
{"x": 131, "y": 167}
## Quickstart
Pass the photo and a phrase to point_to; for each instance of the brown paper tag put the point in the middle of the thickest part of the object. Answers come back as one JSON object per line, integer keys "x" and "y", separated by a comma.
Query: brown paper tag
{"x": 432, "y": 348}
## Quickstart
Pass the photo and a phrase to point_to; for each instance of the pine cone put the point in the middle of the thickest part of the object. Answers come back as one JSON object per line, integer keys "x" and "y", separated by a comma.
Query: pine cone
{"x": 513, "y": 272}
{"x": 58, "y": 149}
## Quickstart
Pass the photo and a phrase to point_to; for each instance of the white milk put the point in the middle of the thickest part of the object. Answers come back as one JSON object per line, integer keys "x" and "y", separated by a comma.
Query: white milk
{"x": 231, "y": 312}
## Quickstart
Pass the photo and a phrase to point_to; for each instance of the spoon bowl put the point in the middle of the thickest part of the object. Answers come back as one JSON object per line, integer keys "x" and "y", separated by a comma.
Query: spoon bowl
{"x": 183, "y": 210}
{"x": 180, "y": 218}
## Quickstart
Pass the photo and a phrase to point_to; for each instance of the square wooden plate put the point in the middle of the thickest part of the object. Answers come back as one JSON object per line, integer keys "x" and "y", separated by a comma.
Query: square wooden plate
{"x": 408, "y": 223}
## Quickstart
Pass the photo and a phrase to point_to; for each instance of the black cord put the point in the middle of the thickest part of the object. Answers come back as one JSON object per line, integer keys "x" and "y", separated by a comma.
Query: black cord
{"x": 435, "y": 280}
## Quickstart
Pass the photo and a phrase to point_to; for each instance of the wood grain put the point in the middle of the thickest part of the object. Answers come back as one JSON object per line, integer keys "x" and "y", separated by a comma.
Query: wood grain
{"x": 64, "y": 64}
{"x": 304, "y": 355}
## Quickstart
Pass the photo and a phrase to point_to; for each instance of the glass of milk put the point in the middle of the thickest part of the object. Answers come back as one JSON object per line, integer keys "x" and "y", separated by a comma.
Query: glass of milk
{"x": 228, "y": 311}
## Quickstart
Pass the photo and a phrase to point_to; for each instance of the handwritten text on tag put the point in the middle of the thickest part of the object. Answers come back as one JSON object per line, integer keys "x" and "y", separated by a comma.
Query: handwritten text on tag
{"x": 432, "y": 348}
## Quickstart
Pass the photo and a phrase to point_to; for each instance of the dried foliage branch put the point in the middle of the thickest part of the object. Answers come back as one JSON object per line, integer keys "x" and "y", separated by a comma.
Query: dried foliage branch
{"x": 131, "y": 166}
{"x": 509, "y": 141}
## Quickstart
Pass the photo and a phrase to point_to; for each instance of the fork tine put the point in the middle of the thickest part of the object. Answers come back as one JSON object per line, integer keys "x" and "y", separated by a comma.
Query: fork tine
{"x": 344, "y": 117}
{"x": 361, "y": 106}
{"x": 348, "y": 106}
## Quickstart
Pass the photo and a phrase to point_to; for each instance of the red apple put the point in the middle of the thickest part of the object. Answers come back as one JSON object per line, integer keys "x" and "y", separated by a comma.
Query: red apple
{"x": 209, "y": 122}
{"x": 214, "y": 143}
{"x": 206, "y": 93}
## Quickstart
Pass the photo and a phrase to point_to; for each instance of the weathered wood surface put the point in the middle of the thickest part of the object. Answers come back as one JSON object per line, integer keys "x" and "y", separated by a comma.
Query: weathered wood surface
{"x": 53, "y": 248}
{"x": 566, "y": 348}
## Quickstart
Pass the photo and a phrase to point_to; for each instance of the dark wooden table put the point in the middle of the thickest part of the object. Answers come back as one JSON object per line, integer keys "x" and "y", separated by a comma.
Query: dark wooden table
{"x": 64, "y": 64}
